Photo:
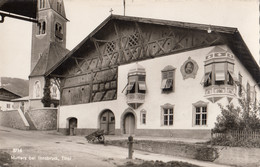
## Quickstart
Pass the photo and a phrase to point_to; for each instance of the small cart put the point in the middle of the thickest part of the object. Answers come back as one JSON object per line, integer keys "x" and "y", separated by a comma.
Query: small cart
{"x": 98, "y": 135}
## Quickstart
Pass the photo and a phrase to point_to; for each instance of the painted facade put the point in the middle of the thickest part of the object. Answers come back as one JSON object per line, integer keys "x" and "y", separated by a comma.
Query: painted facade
{"x": 154, "y": 117}
{"x": 139, "y": 76}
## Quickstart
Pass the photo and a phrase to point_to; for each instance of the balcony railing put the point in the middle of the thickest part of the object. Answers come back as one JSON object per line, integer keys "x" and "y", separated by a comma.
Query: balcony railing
{"x": 223, "y": 90}
{"x": 135, "y": 98}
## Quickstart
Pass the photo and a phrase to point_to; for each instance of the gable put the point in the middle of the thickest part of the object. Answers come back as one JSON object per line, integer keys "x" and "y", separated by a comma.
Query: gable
{"x": 6, "y": 95}
{"x": 119, "y": 40}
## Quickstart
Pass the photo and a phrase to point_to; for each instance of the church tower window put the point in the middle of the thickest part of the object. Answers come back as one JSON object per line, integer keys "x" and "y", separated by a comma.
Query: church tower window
{"x": 58, "y": 31}
{"x": 43, "y": 27}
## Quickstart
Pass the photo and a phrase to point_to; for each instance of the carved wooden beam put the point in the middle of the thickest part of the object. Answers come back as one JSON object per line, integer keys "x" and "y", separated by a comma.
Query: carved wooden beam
{"x": 77, "y": 63}
{"x": 57, "y": 82}
{"x": 97, "y": 48}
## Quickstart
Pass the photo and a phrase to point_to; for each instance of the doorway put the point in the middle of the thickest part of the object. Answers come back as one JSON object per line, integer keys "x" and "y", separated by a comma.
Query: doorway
{"x": 73, "y": 123}
{"x": 107, "y": 122}
{"x": 129, "y": 124}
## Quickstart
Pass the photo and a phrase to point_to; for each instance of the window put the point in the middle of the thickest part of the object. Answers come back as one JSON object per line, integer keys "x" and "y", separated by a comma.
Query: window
{"x": 167, "y": 115}
{"x": 42, "y": 4}
{"x": 143, "y": 117}
{"x": 58, "y": 31}
{"x": 133, "y": 40}
{"x": 110, "y": 47}
{"x": 219, "y": 73}
{"x": 41, "y": 27}
{"x": 240, "y": 85}
{"x": 167, "y": 79}
{"x": 201, "y": 116}
{"x": 200, "y": 113}
{"x": 8, "y": 106}
{"x": 59, "y": 7}
{"x": 104, "y": 118}
{"x": 136, "y": 84}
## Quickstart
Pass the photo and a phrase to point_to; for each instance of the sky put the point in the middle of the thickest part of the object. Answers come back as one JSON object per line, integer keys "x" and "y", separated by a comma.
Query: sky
{"x": 86, "y": 15}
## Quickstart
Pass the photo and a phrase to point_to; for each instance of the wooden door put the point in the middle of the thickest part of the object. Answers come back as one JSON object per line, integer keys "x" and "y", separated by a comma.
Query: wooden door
{"x": 107, "y": 122}
{"x": 129, "y": 123}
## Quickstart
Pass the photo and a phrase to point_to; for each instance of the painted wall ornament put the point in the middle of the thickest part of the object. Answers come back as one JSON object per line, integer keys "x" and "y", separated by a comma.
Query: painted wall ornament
{"x": 189, "y": 69}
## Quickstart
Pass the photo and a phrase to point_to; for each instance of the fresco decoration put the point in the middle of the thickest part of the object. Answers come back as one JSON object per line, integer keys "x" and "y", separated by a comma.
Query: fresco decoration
{"x": 189, "y": 69}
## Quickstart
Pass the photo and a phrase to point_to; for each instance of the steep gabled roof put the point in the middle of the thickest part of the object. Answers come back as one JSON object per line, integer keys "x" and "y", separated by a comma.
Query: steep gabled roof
{"x": 232, "y": 35}
{"x": 9, "y": 90}
{"x": 17, "y": 86}
{"x": 51, "y": 56}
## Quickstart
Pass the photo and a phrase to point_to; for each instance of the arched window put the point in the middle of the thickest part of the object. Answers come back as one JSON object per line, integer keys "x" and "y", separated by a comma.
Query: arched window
{"x": 40, "y": 4}
{"x": 58, "y": 31}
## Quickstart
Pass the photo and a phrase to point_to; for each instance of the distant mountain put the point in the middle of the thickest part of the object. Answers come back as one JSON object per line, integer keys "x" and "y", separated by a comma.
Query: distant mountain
{"x": 16, "y": 85}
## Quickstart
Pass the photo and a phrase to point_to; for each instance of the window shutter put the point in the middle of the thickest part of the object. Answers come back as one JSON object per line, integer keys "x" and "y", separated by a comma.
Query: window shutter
{"x": 130, "y": 86}
{"x": 142, "y": 86}
{"x": 163, "y": 85}
{"x": 164, "y": 75}
{"x": 169, "y": 83}
{"x": 170, "y": 74}
{"x": 220, "y": 72}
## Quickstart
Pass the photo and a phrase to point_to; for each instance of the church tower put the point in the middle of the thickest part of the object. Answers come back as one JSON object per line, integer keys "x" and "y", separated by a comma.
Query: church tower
{"x": 48, "y": 45}
{"x": 51, "y": 27}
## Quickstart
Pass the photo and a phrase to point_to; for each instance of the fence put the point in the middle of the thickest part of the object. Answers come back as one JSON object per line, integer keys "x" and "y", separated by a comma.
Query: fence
{"x": 238, "y": 134}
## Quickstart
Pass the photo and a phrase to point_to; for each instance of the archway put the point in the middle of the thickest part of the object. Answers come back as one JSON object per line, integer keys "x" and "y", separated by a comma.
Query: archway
{"x": 73, "y": 123}
{"x": 107, "y": 122}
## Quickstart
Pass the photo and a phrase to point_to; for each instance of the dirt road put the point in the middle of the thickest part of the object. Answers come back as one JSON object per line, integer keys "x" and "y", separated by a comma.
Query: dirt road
{"x": 37, "y": 148}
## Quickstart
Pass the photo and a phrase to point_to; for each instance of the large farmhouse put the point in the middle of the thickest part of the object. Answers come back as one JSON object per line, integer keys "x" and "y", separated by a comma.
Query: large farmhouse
{"x": 137, "y": 76}
{"x": 153, "y": 77}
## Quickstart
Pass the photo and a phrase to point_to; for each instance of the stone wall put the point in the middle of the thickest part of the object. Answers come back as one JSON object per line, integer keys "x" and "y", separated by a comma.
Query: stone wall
{"x": 44, "y": 118}
{"x": 12, "y": 119}
{"x": 187, "y": 150}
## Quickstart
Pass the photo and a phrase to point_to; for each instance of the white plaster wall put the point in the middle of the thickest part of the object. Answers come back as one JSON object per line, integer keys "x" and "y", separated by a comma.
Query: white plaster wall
{"x": 88, "y": 114}
{"x": 186, "y": 93}
{"x": 3, "y": 105}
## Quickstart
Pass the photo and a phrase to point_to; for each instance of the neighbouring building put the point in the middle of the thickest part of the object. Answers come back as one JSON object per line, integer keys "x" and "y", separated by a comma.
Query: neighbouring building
{"x": 10, "y": 89}
{"x": 153, "y": 77}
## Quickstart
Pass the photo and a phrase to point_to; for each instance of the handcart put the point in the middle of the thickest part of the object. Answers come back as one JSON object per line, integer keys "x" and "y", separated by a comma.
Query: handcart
{"x": 98, "y": 135}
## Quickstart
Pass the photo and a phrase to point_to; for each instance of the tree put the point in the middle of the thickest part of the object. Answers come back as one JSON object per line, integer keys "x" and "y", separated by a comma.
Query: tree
{"x": 46, "y": 100}
{"x": 244, "y": 117}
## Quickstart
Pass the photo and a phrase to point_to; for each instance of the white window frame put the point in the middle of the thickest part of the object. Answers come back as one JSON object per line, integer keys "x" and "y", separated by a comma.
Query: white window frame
{"x": 169, "y": 108}
{"x": 201, "y": 106}
{"x": 143, "y": 117}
